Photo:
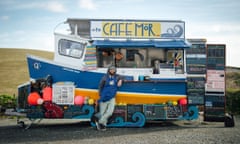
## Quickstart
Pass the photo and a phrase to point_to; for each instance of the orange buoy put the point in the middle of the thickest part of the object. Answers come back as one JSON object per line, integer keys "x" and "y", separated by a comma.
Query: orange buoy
{"x": 33, "y": 98}
{"x": 47, "y": 94}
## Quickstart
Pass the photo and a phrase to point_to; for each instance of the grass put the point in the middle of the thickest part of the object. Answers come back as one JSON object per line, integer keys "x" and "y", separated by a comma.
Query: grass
{"x": 13, "y": 68}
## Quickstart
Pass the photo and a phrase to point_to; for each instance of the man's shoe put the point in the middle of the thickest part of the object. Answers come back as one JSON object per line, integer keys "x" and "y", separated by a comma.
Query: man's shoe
{"x": 102, "y": 127}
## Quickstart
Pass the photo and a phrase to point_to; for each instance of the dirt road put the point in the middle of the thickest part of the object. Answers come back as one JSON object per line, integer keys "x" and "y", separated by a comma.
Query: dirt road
{"x": 72, "y": 132}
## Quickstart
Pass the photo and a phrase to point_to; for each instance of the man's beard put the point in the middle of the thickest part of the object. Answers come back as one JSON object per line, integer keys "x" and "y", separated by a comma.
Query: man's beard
{"x": 111, "y": 73}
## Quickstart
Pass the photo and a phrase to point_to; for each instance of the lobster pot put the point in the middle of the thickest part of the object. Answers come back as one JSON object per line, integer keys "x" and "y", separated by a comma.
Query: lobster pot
{"x": 63, "y": 93}
{"x": 23, "y": 92}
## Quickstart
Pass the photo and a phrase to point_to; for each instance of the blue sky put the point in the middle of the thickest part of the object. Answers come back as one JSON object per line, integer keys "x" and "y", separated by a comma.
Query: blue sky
{"x": 30, "y": 23}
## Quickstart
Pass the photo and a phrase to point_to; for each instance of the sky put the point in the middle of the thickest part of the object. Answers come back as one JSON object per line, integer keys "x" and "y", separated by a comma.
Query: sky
{"x": 31, "y": 23}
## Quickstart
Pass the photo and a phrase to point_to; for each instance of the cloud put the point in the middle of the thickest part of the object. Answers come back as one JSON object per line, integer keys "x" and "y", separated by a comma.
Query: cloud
{"x": 212, "y": 28}
{"x": 21, "y": 39}
{"x": 4, "y": 18}
{"x": 5, "y": 38}
{"x": 87, "y": 4}
{"x": 53, "y": 6}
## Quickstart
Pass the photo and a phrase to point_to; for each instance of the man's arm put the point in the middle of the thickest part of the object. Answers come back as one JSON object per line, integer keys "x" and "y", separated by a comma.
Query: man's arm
{"x": 119, "y": 80}
{"x": 101, "y": 84}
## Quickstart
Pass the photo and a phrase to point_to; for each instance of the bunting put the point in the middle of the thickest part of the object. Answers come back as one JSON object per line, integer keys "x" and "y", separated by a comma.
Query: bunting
{"x": 90, "y": 59}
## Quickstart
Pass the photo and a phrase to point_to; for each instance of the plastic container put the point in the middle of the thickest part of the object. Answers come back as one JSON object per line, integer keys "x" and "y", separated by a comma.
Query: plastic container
{"x": 135, "y": 77}
{"x": 141, "y": 78}
{"x": 47, "y": 94}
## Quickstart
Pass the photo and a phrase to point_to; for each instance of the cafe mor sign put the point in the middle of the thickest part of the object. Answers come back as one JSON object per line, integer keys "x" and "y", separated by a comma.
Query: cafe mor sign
{"x": 138, "y": 29}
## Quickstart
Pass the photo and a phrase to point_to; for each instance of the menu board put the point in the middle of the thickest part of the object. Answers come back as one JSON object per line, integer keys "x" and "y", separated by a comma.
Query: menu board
{"x": 131, "y": 109}
{"x": 154, "y": 112}
{"x": 214, "y": 107}
{"x": 196, "y": 59}
{"x": 215, "y": 81}
{"x": 196, "y": 90}
{"x": 216, "y": 56}
{"x": 215, "y": 84}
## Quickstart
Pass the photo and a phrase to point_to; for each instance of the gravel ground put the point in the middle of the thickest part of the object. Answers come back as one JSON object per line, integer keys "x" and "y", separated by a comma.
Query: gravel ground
{"x": 73, "y": 132}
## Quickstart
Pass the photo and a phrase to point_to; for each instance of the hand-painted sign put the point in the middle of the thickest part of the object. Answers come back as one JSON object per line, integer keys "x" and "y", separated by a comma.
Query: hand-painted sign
{"x": 215, "y": 80}
{"x": 138, "y": 29}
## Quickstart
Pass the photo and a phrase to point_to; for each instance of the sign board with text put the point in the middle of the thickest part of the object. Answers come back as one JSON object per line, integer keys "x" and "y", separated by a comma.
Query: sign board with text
{"x": 137, "y": 29}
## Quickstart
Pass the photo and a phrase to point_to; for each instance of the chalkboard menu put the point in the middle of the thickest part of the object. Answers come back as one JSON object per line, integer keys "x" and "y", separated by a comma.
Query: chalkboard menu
{"x": 214, "y": 107}
{"x": 119, "y": 111}
{"x": 131, "y": 109}
{"x": 196, "y": 90}
{"x": 196, "y": 58}
{"x": 216, "y": 56}
{"x": 173, "y": 112}
{"x": 154, "y": 112}
{"x": 215, "y": 84}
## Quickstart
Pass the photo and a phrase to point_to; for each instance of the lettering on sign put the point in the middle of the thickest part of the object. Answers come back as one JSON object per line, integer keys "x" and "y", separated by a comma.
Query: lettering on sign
{"x": 128, "y": 29}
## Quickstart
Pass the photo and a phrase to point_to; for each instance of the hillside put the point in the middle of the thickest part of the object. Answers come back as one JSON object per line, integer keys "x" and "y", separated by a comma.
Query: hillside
{"x": 14, "y": 70}
{"x": 233, "y": 79}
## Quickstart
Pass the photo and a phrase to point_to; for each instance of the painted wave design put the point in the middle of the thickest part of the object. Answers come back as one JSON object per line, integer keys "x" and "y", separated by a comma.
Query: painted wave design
{"x": 176, "y": 31}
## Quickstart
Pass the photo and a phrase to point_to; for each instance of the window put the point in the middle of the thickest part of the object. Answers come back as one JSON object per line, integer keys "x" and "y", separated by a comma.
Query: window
{"x": 140, "y": 57}
{"x": 71, "y": 48}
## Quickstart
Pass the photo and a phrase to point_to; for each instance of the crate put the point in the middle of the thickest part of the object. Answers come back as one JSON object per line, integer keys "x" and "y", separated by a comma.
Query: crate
{"x": 63, "y": 93}
{"x": 35, "y": 112}
{"x": 23, "y": 92}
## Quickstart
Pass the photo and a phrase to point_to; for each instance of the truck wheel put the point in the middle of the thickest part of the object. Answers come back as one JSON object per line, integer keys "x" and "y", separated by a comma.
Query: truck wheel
{"x": 229, "y": 121}
{"x": 21, "y": 124}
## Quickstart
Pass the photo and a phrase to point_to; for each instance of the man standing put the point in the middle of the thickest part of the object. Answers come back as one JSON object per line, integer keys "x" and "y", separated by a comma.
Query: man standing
{"x": 107, "y": 91}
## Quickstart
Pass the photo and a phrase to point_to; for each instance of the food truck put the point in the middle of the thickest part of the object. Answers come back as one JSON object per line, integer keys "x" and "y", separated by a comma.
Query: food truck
{"x": 150, "y": 56}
